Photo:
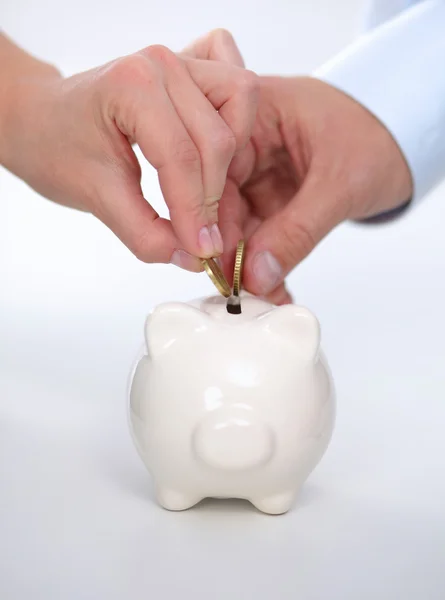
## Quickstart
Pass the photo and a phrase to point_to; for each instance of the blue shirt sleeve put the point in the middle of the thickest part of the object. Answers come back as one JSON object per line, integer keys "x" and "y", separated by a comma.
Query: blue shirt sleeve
{"x": 397, "y": 71}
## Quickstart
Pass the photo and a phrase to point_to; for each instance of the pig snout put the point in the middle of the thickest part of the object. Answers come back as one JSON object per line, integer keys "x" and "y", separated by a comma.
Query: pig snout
{"x": 233, "y": 442}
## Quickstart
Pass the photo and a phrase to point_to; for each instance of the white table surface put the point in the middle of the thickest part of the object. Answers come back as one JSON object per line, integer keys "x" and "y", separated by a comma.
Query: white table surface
{"x": 77, "y": 516}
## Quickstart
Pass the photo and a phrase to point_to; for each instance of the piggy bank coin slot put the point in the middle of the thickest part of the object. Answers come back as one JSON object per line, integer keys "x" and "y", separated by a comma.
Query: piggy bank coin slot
{"x": 234, "y": 302}
{"x": 234, "y": 305}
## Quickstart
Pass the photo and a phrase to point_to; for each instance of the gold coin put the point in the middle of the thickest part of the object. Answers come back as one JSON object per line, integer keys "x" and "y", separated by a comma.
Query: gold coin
{"x": 217, "y": 276}
{"x": 238, "y": 269}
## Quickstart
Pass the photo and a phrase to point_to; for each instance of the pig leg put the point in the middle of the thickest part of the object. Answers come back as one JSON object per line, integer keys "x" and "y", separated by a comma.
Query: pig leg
{"x": 172, "y": 499}
{"x": 275, "y": 505}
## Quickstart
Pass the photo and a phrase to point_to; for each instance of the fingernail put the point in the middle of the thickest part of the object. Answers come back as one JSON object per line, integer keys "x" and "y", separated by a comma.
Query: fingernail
{"x": 216, "y": 238}
{"x": 206, "y": 243}
{"x": 184, "y": 260}
{"x": 267, "y": 271}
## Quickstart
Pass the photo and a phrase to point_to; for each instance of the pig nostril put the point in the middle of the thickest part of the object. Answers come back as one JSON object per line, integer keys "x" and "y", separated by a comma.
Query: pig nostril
{"x": 233, "y": 443}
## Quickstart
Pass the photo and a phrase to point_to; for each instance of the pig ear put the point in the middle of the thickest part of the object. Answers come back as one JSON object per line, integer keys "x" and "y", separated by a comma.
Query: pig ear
{"x": 295, "y": 325}
{"x": 171, "y": 322}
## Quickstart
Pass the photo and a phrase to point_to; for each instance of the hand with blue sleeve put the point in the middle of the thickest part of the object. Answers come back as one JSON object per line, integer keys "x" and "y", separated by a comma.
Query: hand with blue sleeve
{"x": 397, "y": 71}
{"x": 363, "y": 138}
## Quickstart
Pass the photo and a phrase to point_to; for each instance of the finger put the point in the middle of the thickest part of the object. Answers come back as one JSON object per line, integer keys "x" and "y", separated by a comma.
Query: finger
{"x": 243, "y": 165}
{"x": 143, "y": 111}
{"x": 122, "y": 207}
{"x": 279, "y": 296}
{"x": 232, "y": 91}
{"x": 186, "y": 261}
{"x": 217, "y": 136}
{"x": 217, "y": 45}
{"x": 251, "y": 225}
{"x": 214, "y": 139}
{"x": 286, "y": 238}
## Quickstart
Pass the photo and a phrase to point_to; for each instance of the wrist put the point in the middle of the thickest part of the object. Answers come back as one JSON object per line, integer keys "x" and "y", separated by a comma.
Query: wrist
{"x": 22, "y": 85}
{"x": 396, "y": 71}
{"x": 370, "y": 171}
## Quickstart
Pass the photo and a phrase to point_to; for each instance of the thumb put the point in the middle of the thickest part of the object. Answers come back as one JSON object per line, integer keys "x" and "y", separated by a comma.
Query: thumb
{"x": 283, "y": 240}
{"x": 121, "y": 206}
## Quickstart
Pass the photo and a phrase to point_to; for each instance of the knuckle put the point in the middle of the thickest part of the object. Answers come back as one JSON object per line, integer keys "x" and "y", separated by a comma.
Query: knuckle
{"x": 249, "y": 82}
{"x": 222, "y": 144}
{"x": 187, "y": 154}
{"x": 212, "y": 209}
{"x": 222, "y": 34}
{"x": 132, "y": 69}
{"x": 142, "y": 248}
{"x": 192, "y": 206}
{"x": 161, "y": 54}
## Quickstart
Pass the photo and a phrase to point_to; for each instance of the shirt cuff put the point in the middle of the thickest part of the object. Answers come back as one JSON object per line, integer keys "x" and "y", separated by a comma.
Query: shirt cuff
{"x": 397, "y": 72}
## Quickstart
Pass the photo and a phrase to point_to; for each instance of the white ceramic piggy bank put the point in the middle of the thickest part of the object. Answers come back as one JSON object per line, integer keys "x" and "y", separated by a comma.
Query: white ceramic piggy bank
{"x": 231, "y": 406}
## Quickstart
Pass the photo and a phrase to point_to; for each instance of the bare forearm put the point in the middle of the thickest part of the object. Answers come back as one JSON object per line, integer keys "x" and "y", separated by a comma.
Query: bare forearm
{"x": 18, "y": 70}
{"x": 70, "y": 139}
{"x": 15, "y": 62}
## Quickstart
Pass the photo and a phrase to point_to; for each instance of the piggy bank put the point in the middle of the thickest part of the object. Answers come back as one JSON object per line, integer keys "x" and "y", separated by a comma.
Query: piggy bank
{"x": 231, "y": 406}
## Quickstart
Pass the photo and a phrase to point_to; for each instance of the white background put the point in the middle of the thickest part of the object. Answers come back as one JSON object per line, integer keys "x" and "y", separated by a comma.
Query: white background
{"x": 77, "y": 518}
